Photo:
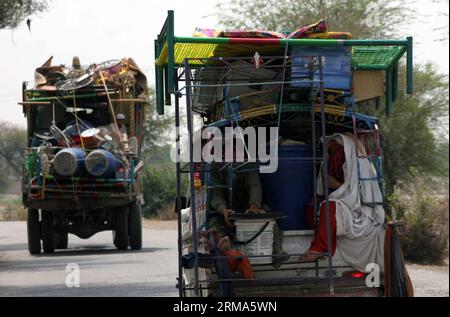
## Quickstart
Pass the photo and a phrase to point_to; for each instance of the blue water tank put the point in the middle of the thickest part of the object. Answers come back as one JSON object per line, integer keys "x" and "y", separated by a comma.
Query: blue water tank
{"x": 69, "y": 162}
{"x": 101, "y": 163}
{"x": 291, "y": 186}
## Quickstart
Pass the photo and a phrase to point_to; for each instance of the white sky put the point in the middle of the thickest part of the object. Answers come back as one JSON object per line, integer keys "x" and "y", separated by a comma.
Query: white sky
{"x": 98, "y": 30}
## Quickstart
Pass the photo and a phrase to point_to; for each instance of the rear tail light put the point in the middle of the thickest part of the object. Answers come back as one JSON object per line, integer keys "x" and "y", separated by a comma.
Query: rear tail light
{"x": 354, "y": 274}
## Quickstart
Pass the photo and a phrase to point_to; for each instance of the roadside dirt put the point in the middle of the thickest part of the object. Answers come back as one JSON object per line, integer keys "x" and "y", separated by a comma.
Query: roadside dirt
{"x": 429, "y": 280}
{"x": 159, "y": 224}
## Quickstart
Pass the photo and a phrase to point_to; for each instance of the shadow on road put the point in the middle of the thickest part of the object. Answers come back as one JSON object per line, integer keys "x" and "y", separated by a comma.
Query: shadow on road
{"x": 84, "y": 250}
{"x": 153, "y": 289}
{"x": 13, "y": 247}
{"x": 96, "y": 250}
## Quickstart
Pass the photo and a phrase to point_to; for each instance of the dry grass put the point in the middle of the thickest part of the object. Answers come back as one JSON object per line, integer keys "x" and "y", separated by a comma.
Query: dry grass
{"x": 166, "y": 213}
{"x": 441, "y": 218}
{"x": 442, "y": 215}
{"x": 165, "y": 219}
{"x": 11, "y": 208}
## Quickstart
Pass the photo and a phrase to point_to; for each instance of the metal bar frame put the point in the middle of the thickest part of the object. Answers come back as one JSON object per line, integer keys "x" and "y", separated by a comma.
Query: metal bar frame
{"x": 314, "y": 160}
{"x": 159, "y": 81}
{"x": 325, "y": 176}
{"x": 178, "y": 198}
{"x": 292, "y": 42}
{"x": 389, "y": 92}
{"x": 191, "y": 177}
{"x": 409, "y": 66}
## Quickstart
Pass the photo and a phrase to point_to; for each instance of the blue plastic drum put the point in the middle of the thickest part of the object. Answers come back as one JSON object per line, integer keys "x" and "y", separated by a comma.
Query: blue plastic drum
{"x": 69, "y": 162}
{"x": 291, "y": 186}
{"x": 101, "y": 163}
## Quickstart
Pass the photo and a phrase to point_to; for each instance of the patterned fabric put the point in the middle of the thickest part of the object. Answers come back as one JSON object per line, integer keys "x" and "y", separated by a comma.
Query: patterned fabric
{"x": 318, "y": 30}
{"x": 318, "y": 27}
{"x": 251, "y": 34}
{"x": 199, "y": 32}
{"x": 330, "y": 35}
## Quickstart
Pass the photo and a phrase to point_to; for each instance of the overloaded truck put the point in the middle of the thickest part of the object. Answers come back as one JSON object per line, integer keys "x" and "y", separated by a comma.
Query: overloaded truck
{"x": 82, "y": 168}
{"x": 314, "y": 86}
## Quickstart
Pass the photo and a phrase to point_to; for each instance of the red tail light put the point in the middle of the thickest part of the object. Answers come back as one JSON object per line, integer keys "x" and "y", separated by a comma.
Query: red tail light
{"x": 354, "y": 274}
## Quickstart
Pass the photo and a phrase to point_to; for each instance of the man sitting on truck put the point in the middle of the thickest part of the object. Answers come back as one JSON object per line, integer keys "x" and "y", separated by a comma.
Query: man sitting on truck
{"x": 76, "y": 71}
{"x": 118, "y": 128}
{"x": 246, "y": 197}
{"x": 356, "y": 215}
{"x": 120, "y": 118}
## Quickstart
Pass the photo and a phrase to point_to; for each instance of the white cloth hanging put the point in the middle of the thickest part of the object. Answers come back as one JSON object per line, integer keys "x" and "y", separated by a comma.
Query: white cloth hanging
{"x": 359, "y": 228}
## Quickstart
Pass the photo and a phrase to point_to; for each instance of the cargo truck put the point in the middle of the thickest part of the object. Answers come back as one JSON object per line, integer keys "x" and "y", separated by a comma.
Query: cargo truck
{"x": 82, "y": 169}
{"x": 309, "y": 88}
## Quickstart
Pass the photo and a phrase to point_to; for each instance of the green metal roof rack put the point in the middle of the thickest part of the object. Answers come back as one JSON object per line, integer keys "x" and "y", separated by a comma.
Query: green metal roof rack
{"x": 171, "y": 51}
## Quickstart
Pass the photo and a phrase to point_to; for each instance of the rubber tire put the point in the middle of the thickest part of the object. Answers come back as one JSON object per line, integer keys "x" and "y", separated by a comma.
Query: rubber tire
{"x": 120, "y": 233}
{"x": 61, "y": 240}
{"x": 47, "y": 232}
{"x": 135, "y": 226}
{"x": 33, "y": 231}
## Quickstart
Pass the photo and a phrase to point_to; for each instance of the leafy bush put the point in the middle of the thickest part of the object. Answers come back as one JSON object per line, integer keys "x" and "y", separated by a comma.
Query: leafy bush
{"x": 159, "y": 188}
{"x": 427, "y": 215}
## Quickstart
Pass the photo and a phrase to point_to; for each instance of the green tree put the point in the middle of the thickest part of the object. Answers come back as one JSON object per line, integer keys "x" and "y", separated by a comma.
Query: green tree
{"x": 12, "y": 145}
{"x": 411, "y": 136}
{"x": 157, "y": 130}
{"x": 13, "y": 12}
{"x": 363, "y": 18}
{"x": 159, "y": 188}
{"x": 159, "y": 178}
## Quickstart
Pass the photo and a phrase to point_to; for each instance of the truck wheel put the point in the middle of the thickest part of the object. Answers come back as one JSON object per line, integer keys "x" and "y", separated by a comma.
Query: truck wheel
{"x": 61, "y": 240}
{"x": 34, "y": 231}
{"x": 120, "y": 233}
{"x": 47, "y": 232}
{"x": 135, "y": 226}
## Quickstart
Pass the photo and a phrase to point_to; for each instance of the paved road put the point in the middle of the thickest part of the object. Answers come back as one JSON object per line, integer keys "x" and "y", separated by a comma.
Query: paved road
{"x": 103, "y": 270}
{"x": 107, "y": 272}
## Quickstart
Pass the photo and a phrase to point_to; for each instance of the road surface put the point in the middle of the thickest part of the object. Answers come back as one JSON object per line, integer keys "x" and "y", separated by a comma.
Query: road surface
{"x": 107, "y": 272}
{"x": 103, "y": 270}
